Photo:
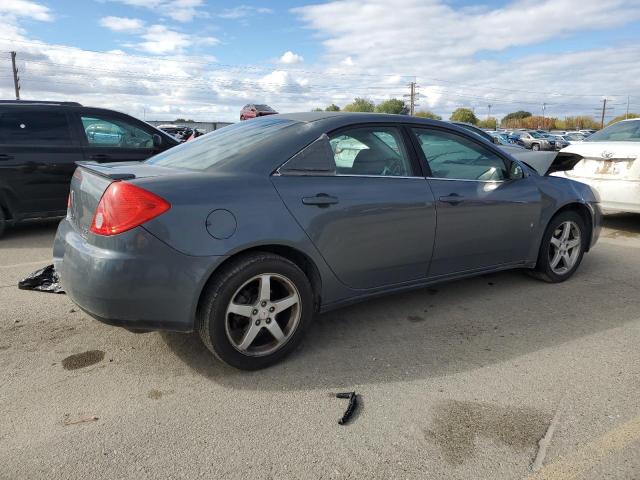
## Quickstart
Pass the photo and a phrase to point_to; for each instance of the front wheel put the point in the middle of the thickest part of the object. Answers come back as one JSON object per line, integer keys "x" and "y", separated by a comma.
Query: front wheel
{"x": 256, "y": 311}
{"x": 562, "y": 248}
{"x": 535, "y": 147}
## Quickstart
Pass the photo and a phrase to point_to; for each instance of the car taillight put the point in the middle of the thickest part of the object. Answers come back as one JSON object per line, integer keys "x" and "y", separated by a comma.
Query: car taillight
{"x": 124, "y": 206}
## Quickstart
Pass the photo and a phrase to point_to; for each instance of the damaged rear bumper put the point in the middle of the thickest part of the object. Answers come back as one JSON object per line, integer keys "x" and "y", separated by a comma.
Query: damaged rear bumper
{"x": 132, "y": 280}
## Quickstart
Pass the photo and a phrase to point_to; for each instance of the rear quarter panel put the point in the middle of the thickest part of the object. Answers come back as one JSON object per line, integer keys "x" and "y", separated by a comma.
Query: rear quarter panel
{"x": 261, "y": 219}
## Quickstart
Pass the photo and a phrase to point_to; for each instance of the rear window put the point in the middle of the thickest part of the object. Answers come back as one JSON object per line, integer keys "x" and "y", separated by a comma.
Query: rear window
{"x": 628, "y": 131}
{"x": 34, "y": 127}
{"x": 220, "y": 145}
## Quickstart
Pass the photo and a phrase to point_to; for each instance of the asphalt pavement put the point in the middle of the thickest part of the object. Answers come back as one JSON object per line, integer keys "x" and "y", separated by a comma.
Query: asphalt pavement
{"x": 499, "y": 376}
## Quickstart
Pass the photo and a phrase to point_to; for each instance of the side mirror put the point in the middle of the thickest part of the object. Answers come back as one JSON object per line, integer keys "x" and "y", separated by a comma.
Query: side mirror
{"x": 515, "y": 171}
{"x": 157, "y": 140}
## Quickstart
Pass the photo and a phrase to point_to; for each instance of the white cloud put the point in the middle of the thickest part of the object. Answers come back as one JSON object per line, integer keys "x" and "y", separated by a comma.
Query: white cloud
{"x": 122, "y": 24}
{"x": 452, "y": 52}
{"x": 161, "y": 40}
{"x": 243, "y": 11}
{"x": 26, "y": 9}
{"x": 290, "y": 58}
{"x": 179, "y": 10}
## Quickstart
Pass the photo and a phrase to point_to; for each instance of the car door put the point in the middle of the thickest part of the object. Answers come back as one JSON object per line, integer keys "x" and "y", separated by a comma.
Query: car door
{"x": 487, "y": 208}
{"x": 371, "y": 215}
{"x": 37, "y": 159}
{"x": 112, "y": 137}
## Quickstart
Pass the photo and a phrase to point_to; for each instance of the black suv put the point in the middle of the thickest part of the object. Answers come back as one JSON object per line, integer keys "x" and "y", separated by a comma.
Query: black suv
{"x": 40, "y": 143}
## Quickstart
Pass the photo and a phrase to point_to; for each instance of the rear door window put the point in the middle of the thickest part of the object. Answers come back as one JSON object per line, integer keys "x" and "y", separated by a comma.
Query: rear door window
{"x": 35, "y": 127}
{"x": 114, "y": 132}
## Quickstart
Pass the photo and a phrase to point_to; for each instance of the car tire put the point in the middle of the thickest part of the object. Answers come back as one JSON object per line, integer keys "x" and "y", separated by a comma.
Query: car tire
{"x": 535, "y": 147}
{"x": 253, "y": 338}
{"x": 551, "y": 268}
{"x": 3, "y": 222}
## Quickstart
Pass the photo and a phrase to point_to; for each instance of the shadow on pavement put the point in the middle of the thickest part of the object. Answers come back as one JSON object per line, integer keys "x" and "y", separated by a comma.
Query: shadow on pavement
{"x": 443, "y": 330}
{"x": 622, "y": 225}
{"x": 30, "y": 234}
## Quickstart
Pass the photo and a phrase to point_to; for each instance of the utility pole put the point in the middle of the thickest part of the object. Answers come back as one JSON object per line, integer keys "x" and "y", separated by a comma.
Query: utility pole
{"x": 544, "y": 108}
{"x": 604, "y": 108}
{"x": 16, "y": 79}
{"x": 627, "y": 115}
{"x": 412, "y": 97}
{"x": 489, "y": 114}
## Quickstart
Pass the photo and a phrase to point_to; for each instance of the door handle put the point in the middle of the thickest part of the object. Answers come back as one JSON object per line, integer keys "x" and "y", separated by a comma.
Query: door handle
{"x": 320, "y": 200}
{"x": 4, "y": 156}
{"x": 99, "y": 157}
{"x": 452, "y": 199}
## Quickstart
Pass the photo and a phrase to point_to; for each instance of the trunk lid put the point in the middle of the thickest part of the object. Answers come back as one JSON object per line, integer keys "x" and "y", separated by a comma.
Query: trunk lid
{"x": 606, "y": 160}
{"x": 90, "y": 180}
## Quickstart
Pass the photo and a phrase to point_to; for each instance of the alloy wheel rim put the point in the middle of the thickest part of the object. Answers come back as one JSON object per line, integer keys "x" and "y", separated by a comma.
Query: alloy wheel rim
{"x": 565, "y": 247}
{"x": 263, "y": 314}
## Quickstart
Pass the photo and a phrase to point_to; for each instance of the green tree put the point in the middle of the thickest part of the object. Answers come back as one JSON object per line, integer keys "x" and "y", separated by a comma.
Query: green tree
{"x": 332, "y": 108}
{"x": 519, "y": 115}
{"x": 427, "y": 114}
{"x": 317, "y": 110}
{"x": 465, "y": 115}
{"x": 490, "y": 122}
{"x": 624, "y": 116}
{"x": 393, "y": 105}
{"x": 360, "y": 105}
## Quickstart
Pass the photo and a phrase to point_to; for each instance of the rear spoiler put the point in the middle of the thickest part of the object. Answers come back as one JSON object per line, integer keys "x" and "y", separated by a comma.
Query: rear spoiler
{"x": 105, "y": 169}
{"x": 546, "y": 163}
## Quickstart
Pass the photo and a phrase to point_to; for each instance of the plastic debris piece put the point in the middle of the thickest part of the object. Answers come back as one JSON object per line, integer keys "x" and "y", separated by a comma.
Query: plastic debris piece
{"x": 44, "y": 280}
{"x": 353, "y": 402}
{"x": 81, "y": 420}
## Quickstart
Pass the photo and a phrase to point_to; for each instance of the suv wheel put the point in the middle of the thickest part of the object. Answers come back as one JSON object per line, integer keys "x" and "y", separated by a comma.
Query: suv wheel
{"x": 535, "y": 147}
{"x": 256, "y": 311}
{"x": 562, "y": 248}
{"x": 3, "y": 222}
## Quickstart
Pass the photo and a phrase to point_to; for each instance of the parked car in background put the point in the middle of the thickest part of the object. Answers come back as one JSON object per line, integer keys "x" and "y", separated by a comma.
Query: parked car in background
{"x": 574, "y": 137}
{"x": 535, "y": 141}
{"x": 502, "y": 138}
{"x": 588, "y": 131}
{"x": 609, "y": 161}
{"x": 559, "y": 140}
{"x": 40, "y": 143}
{"x": 242, "y": 235}
{"x": 252, "y": 110}
{"x": 179, "y": 132}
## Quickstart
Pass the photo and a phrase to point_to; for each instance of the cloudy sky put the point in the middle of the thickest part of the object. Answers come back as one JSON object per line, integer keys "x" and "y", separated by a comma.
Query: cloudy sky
{"x": 204, "y": 59}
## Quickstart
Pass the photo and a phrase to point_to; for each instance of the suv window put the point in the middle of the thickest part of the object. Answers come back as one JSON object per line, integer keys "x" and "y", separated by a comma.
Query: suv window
{"x": 455, "y": 157}
{"x": 34, "y": 127}
{"x": 113, "y": 132}
{"x": 370, "y": 151}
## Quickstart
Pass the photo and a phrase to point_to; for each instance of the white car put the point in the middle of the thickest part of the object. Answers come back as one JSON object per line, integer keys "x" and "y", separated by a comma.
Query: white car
{"x": 609, "y": 162}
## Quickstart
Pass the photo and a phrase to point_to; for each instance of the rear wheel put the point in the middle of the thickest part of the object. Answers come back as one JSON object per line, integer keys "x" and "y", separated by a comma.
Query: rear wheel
{"x": 562, "y": 248}
{"x": 256, "y": 311}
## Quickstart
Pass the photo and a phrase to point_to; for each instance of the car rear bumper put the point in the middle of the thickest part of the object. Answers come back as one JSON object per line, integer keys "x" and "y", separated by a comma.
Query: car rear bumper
{"x": 615, "y": 195}
{"x": 132, "y": 280}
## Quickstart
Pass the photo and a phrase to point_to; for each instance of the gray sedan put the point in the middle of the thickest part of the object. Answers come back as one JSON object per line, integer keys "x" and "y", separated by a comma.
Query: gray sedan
{"x": 245, "y": 233}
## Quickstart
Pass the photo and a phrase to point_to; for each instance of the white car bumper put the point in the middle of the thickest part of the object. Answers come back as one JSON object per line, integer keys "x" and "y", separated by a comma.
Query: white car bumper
{"x": 615, "y": 195}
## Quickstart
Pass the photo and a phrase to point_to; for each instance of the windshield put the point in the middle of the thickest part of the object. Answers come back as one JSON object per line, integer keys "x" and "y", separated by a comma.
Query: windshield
{"x": 627, "y": 131}
{"x": 536, "y": 135}
{"x": 220, "y": 145}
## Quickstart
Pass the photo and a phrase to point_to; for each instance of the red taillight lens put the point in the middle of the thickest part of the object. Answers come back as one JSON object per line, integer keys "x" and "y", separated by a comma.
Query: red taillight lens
{"x": 124, "y": 206}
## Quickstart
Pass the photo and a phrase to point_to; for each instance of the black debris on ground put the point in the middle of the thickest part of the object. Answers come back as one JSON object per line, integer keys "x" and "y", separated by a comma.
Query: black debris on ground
{"x": 44, "y": 280}
{"x": 353, "y": 403}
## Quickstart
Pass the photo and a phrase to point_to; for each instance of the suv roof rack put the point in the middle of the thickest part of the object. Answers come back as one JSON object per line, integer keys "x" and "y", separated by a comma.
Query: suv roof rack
{"x": 38, "y": 102}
